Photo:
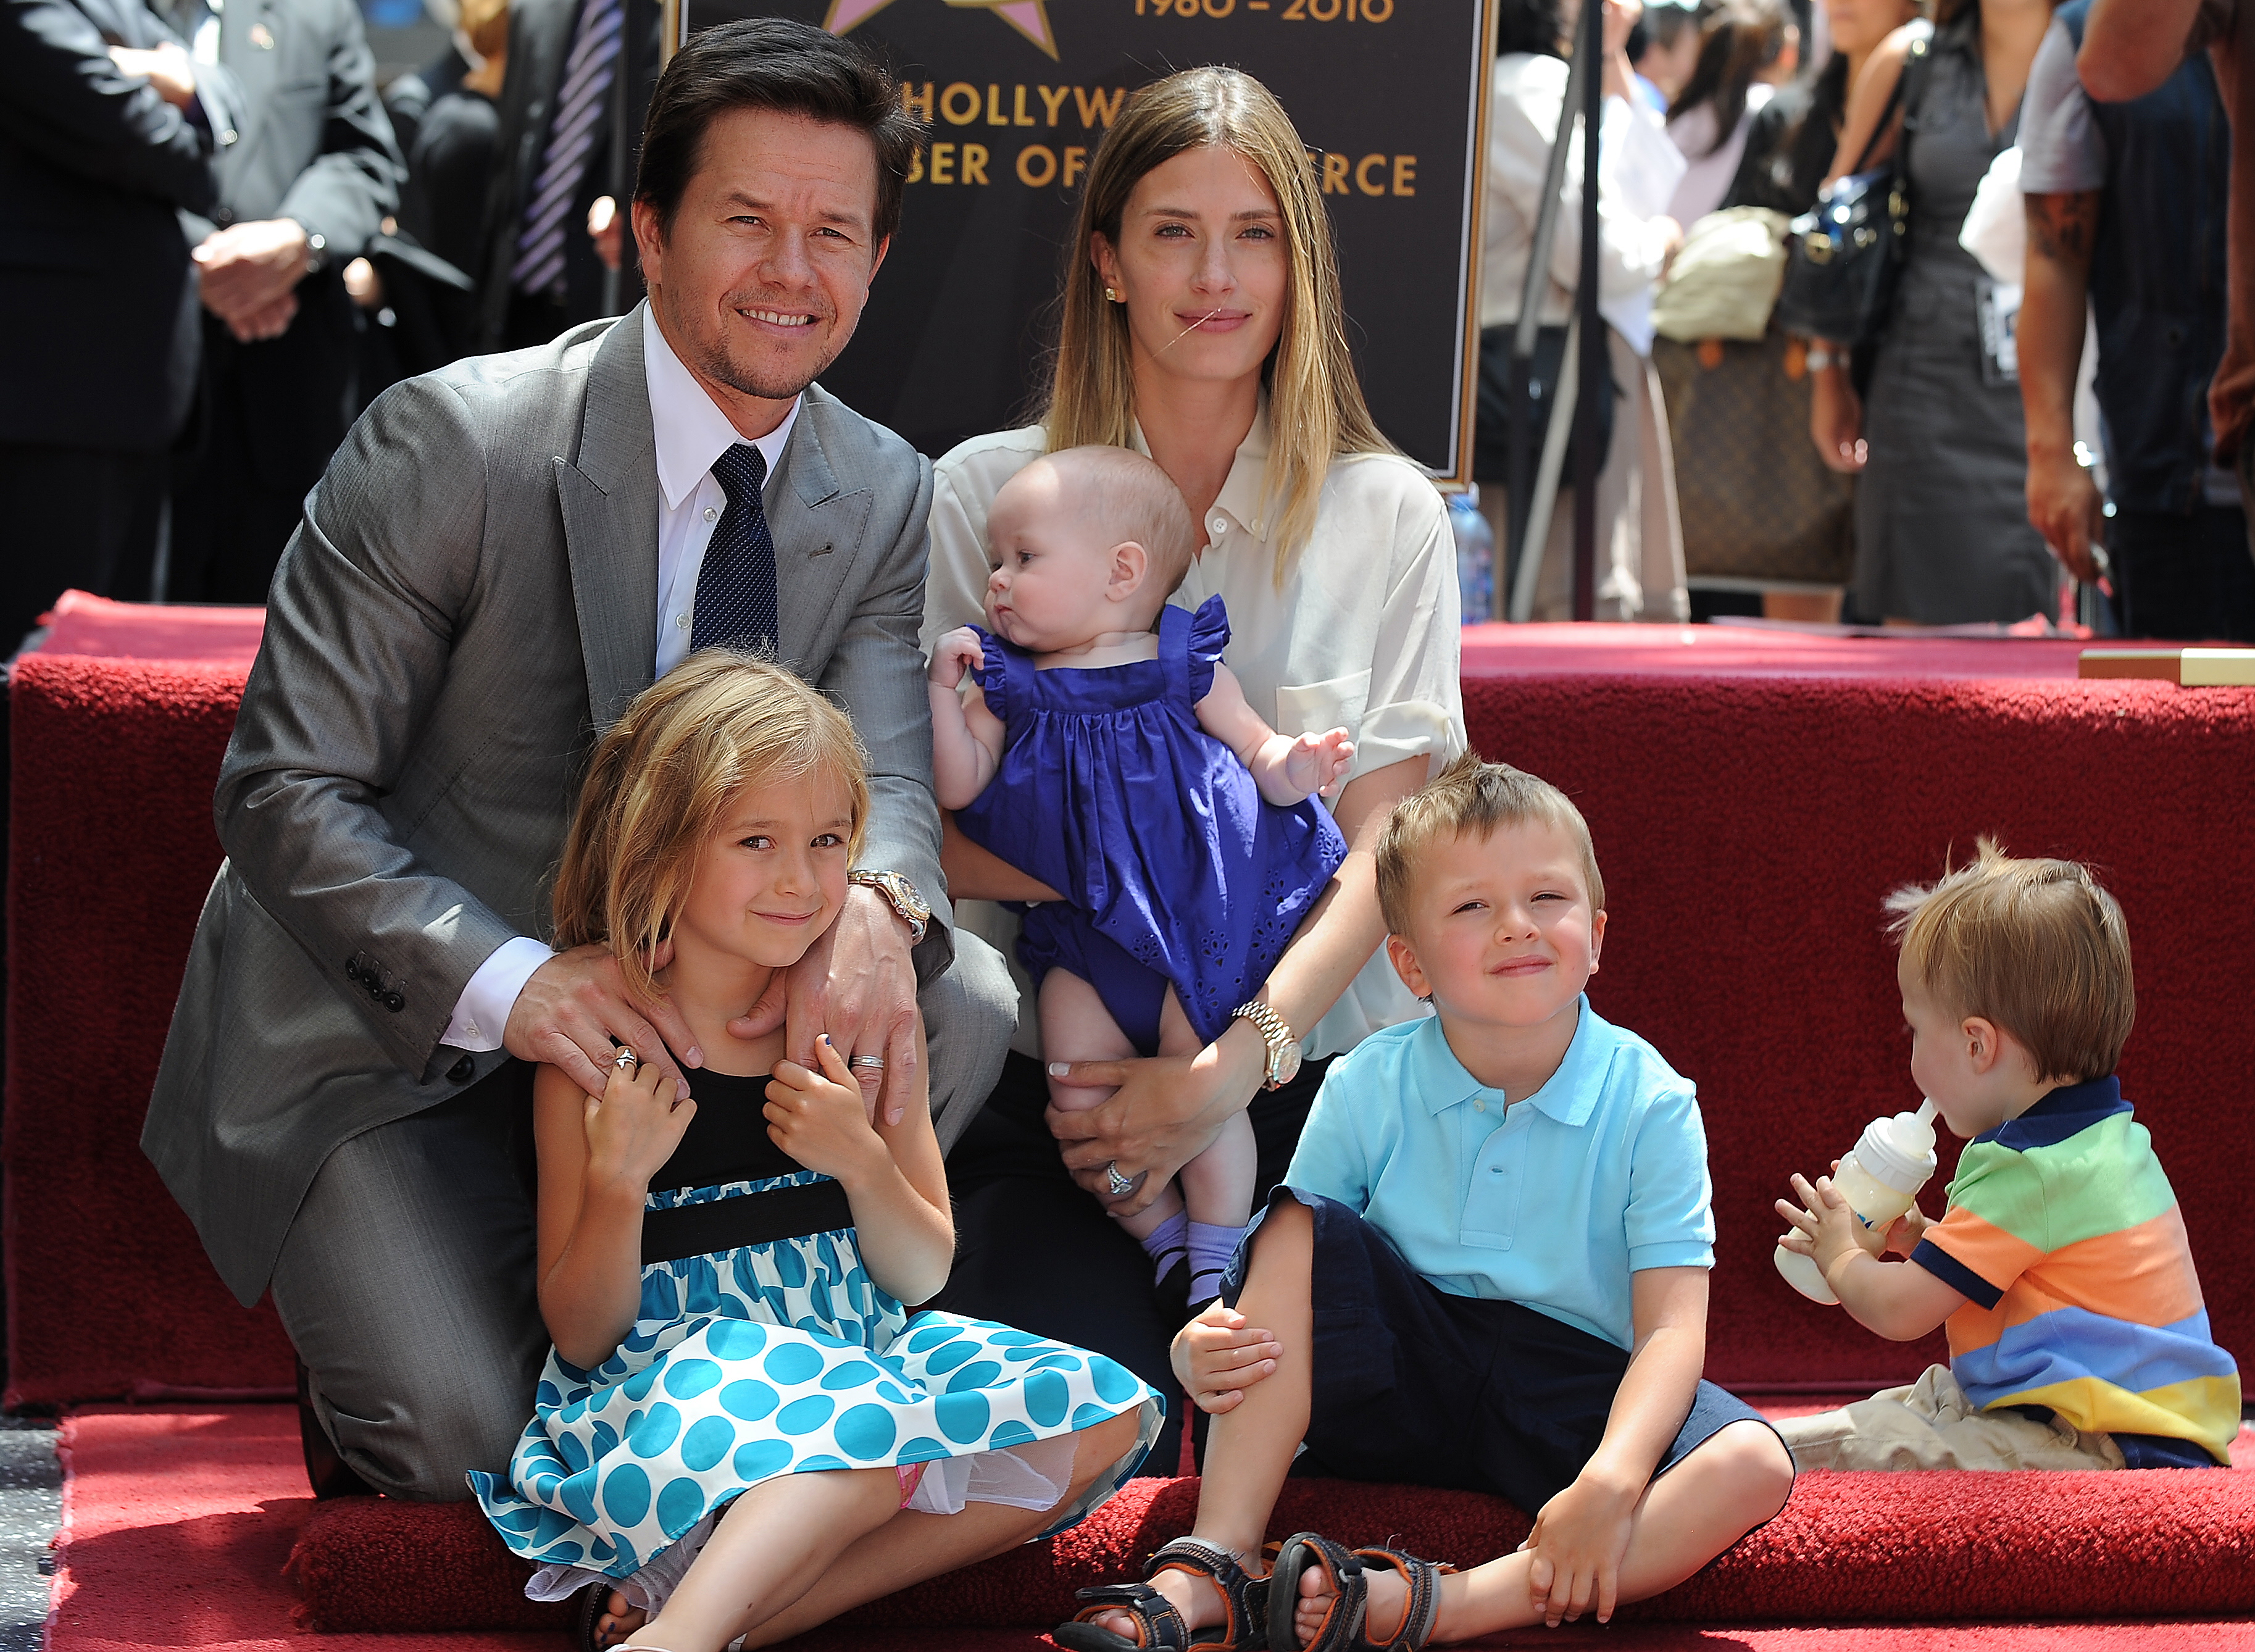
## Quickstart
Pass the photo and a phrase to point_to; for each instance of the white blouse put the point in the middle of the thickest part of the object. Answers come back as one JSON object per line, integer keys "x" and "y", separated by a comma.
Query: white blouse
{"x": 1638, "y": 170}
{"x": 1365, "y": 636}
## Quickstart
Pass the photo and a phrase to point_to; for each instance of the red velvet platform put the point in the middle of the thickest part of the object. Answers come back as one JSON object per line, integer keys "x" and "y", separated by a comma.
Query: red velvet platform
{"x": 1753, "y": 795}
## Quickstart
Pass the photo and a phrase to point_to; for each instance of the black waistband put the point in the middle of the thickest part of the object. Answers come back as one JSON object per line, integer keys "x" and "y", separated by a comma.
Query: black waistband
{"x": 748, "y": 1219}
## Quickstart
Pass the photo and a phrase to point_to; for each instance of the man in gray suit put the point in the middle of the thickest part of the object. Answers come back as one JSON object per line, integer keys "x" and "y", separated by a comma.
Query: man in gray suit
{"x": 500, "y": 557}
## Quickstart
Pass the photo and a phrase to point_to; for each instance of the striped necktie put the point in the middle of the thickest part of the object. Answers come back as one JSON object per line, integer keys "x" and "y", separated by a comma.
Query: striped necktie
{"x": 736, "y": 585}
{"x": 572, "y": 134}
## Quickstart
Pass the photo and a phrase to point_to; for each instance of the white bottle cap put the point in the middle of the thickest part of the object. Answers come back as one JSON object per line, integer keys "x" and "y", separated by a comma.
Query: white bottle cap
{"x": 1899, "y": 1152}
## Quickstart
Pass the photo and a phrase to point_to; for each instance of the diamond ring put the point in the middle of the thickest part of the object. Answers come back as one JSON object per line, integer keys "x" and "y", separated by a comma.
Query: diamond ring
{"x": 1118, "y": 1182}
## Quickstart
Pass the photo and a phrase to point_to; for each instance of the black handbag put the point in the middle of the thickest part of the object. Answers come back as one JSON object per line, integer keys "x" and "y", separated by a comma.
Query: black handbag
{"x": 1848, "y": 249}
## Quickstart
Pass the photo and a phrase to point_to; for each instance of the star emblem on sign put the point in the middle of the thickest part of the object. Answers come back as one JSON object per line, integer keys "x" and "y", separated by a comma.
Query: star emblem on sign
{"x": 1029, "y": 17}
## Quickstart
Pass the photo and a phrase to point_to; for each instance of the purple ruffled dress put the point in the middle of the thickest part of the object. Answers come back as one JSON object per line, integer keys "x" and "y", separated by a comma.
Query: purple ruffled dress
{"x": 1175, "y": 869}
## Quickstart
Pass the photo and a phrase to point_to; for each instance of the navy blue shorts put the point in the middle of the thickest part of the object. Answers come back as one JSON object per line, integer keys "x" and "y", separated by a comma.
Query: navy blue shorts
{"x": 1416, "y": 1387}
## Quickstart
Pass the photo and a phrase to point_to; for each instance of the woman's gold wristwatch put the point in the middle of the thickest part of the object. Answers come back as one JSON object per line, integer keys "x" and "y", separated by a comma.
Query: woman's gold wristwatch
{"x": 1283, "y": 1044}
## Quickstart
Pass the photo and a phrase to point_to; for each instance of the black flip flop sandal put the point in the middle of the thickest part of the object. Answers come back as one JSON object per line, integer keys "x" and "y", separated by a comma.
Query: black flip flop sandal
{"x": 1345, "y": 1627}
{"x": 588, "y": 1609}
{"x": 1159, "y": 1627}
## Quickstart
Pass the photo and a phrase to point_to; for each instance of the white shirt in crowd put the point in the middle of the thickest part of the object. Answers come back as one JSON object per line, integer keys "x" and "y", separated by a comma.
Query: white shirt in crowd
{"x": 1708, "y": 170}
{"x": 1365, "y": 635}
{"x": 692, "y": 431}
{"x": 1637, "y": 170}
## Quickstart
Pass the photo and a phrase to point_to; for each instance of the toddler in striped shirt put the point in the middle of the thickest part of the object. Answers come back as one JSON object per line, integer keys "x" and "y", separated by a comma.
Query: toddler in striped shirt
{"x": 2077, "y": 1334}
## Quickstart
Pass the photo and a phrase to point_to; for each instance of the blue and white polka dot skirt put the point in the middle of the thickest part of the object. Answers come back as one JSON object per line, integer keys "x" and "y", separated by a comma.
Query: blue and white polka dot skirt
{"x": 779, "y": 1359}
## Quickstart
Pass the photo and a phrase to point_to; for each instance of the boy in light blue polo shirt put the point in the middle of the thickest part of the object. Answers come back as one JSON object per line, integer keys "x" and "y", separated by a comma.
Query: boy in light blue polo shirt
{"x": 1486, "y": 1269}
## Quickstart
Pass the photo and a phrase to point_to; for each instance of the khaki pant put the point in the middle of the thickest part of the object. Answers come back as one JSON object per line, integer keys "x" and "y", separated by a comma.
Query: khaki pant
{"x": 1640, "y": 545}
{"x": 1931, "y": 1424}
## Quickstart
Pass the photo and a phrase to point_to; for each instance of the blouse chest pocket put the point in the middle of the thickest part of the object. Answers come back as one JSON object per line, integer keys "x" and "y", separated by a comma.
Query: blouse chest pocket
{"x": 1316, "y": 708}
{"x": 1492, "y": 1201}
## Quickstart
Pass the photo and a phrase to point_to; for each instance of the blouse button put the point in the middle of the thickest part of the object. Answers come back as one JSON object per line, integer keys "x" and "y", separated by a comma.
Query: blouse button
{"x": 1221, "y": 525}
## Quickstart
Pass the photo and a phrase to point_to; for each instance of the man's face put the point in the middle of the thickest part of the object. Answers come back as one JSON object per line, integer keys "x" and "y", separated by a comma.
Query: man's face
{"x": 760, "y": 279}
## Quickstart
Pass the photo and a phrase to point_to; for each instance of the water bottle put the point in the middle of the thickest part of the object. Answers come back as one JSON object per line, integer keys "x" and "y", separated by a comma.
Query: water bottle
{"x": 1880, "y": 1179}
{"x": 1475, "y": 555}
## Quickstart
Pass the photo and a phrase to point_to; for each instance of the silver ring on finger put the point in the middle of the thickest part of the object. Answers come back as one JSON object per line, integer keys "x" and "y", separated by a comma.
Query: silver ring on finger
{"x": 876, "y": 1063}
{"x": 626, "y": 1060}
{"x": 1119, "y": 1184}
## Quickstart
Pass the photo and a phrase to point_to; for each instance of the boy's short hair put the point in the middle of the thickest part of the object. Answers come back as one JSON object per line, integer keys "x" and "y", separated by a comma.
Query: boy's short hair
{"x": 1135, "y": 500}
{"x": 1472, "y": 796}
{"x": 2036, "y": 946}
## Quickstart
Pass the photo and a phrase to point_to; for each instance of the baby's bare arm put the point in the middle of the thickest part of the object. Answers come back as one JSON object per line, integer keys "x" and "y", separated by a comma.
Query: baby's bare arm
{"x": 1286, "y": 769}
{"x": 966, "y": 737}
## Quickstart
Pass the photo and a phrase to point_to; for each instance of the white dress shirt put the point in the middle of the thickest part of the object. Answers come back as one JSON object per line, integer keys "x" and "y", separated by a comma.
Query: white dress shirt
{"x": 690, "y": 433}
{"x": 1366, "y": 633}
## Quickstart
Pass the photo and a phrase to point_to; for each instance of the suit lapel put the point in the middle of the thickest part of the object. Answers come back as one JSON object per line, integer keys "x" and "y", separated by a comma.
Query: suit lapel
{"x": 817, "y": 529}
{"x": 609, "y": 502}
{"x": 242, "y": 26}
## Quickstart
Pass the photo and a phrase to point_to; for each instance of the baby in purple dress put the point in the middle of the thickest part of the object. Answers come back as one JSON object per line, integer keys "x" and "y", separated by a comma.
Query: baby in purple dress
{"x": 1109, "y": 754}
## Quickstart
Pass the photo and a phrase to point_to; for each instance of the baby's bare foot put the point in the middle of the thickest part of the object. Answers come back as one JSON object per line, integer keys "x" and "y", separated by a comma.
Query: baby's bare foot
{"x": 1387, "y": 1601}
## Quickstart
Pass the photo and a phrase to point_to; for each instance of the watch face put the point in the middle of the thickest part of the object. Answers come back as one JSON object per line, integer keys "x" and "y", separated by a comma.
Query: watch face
{"x": 1287, "y": 1066}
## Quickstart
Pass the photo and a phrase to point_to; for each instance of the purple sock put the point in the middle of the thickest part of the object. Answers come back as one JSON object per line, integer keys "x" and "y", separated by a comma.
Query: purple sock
{"x": 1211, "y": 1248}
{"x": 1167, "y": 1244}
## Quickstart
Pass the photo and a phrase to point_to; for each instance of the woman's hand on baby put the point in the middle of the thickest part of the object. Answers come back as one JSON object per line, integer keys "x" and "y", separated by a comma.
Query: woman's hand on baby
{"x": 820, "y": 1119}
{"x": 1217, "y": 1356}
{"x": 955, "y": 651}
{"x": 635, "y": 1125}
{"x": 1577, "y": 1544}
{"x": 1318, "y": 763}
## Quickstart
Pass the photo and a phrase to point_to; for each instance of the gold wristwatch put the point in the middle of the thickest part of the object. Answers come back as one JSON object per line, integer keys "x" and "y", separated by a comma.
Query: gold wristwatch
{"x": 902, "y": 895}
{"x": 1283, "y": 1044}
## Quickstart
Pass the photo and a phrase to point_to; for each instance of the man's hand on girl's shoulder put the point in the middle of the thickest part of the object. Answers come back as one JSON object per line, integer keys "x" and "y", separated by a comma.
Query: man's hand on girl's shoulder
{"x": 1218, "y": 1357}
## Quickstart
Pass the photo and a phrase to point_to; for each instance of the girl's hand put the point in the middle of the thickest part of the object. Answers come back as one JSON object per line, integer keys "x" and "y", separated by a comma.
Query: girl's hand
{"x": 635, "y": 1125}
{"x": 952, "y": 652}
{"x": 820, "y": 1118}
{"x": 1316, "y": 762}
{"x": 1578, "y": 1542}
{"x": 1217, "y": 1358}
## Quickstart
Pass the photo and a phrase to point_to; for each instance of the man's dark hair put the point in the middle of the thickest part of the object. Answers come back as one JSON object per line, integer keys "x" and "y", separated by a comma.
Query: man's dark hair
{"x": 772, "y": 63}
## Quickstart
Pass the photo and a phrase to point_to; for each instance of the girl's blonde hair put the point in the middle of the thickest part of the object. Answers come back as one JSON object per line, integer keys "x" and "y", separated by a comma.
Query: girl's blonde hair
{"x": 661, "y": 778}
{"x": 1316, "y": 407}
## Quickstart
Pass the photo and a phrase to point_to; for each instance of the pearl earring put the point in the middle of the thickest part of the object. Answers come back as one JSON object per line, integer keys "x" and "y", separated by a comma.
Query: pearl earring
{"x": 1111, "y": 294}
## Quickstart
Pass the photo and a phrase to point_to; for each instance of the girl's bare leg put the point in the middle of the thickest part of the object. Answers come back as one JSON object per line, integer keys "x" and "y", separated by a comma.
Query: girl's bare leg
{"x": 1736, "y": 1479}
{"x": 774, "y": 1541}
{"x": 1249, "y": 1449}
{"x": 911, "y": 1547}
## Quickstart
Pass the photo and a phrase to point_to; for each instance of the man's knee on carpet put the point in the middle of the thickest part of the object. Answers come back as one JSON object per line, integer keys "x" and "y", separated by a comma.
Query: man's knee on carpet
{"x": 434, "y": 1426}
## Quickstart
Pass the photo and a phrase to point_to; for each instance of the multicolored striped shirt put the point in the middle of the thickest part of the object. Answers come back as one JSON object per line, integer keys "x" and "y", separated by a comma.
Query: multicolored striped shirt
{"x": 2066, "y": 1240}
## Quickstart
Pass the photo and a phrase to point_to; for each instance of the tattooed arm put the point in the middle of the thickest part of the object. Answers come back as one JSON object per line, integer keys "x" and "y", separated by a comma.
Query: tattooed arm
{"x": 2063, "y": 502}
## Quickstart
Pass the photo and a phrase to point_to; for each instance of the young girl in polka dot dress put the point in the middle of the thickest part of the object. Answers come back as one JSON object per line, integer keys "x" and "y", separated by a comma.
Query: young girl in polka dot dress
{"x": 741, "y": 1432}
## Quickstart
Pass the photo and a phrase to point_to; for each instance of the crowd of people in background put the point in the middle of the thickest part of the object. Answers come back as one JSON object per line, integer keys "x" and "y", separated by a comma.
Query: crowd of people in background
{"x": 241, "y": 241}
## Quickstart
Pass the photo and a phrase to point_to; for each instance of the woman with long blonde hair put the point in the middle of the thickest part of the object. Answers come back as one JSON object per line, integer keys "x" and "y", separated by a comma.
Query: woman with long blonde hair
{"x": 1202, "y": 324}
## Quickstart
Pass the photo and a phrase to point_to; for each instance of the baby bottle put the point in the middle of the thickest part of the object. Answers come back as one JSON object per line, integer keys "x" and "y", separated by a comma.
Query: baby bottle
{"x": 1880, "y": 1180}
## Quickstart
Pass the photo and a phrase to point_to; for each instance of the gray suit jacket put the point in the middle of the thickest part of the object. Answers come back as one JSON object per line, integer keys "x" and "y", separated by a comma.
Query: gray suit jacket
{"x": 474, "y": 593}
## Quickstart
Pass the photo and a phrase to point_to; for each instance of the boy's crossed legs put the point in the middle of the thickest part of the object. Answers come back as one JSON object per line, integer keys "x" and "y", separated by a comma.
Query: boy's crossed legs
{"x": 1730, "y": 1482}
{"x": 1203, "y": 1219}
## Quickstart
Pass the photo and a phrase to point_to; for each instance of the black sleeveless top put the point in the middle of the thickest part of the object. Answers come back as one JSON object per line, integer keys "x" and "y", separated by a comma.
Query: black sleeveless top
{"x": 727, "y": 1141}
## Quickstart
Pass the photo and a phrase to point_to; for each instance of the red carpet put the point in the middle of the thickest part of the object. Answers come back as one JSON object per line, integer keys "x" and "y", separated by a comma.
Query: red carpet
{"x": 178, "y": 1525}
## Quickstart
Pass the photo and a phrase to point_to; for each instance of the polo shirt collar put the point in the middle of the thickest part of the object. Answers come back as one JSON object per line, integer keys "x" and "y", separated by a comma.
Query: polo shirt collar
{"x": 1243, "y": 491}
{"x": 2066, "y": 1111}
{"x": 1569, "y": 1095}
{"x": 689, "y": 428}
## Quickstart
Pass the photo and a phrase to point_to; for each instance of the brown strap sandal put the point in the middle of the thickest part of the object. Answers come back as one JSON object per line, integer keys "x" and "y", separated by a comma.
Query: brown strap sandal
{"x": 1345, "y": 1627}
{"x": 1159, "y": 1627}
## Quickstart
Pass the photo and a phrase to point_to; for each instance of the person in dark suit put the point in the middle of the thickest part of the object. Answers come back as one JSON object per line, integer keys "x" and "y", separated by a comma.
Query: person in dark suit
{"x": 501, "y": 557}
{"x": 301, "y": 193}
{"x": 543, "y": 272}
{"x": 108, "y": 130}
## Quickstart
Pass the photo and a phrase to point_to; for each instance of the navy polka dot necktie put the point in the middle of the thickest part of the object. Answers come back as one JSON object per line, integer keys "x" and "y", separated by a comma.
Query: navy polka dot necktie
{"x": 737, "y": 586}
